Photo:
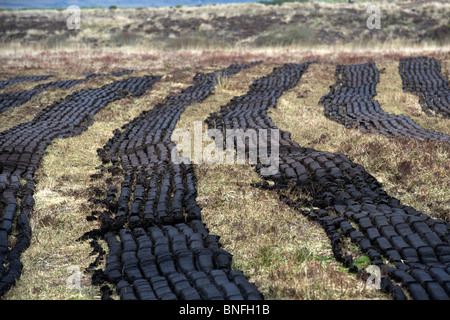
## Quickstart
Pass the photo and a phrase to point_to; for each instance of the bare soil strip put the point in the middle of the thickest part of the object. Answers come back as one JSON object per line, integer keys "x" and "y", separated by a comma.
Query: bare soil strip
{"x": 21, "y": 150}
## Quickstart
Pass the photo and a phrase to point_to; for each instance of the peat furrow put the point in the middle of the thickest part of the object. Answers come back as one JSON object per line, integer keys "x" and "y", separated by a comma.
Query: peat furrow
{"x": 158, "y": 248}
{"x": 9, "y": 82}
{"x": 23, "y": 146}
{"x": 14, "y": 99}
{"x": 351, "y": 102}
{"x": 411, "y": 249}
{"x": 422, "y": 76}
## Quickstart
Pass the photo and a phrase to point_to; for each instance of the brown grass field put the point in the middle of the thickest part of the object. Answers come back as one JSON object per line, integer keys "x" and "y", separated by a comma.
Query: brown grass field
{"x": 284, "y": 254}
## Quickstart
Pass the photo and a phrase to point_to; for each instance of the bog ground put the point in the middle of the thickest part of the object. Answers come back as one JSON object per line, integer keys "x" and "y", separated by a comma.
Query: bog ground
{"x": 93, "y": 207}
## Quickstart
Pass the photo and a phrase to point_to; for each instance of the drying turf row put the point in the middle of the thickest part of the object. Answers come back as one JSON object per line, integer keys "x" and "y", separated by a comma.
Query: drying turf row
{"x": 9, "y": 82}
{"x": 348, "y": 202}
{"x": 422, "y": 76}
{"x": 158, "y": 246}
{"x": 351, "y": 102}
{"x": 14, "y": 99}
{"x": 21, "y": 149}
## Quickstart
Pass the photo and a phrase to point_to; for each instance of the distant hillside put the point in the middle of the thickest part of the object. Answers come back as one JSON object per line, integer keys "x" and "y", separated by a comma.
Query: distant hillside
{"x": 230, "y": 25}
{"x": 45, "y": 4}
